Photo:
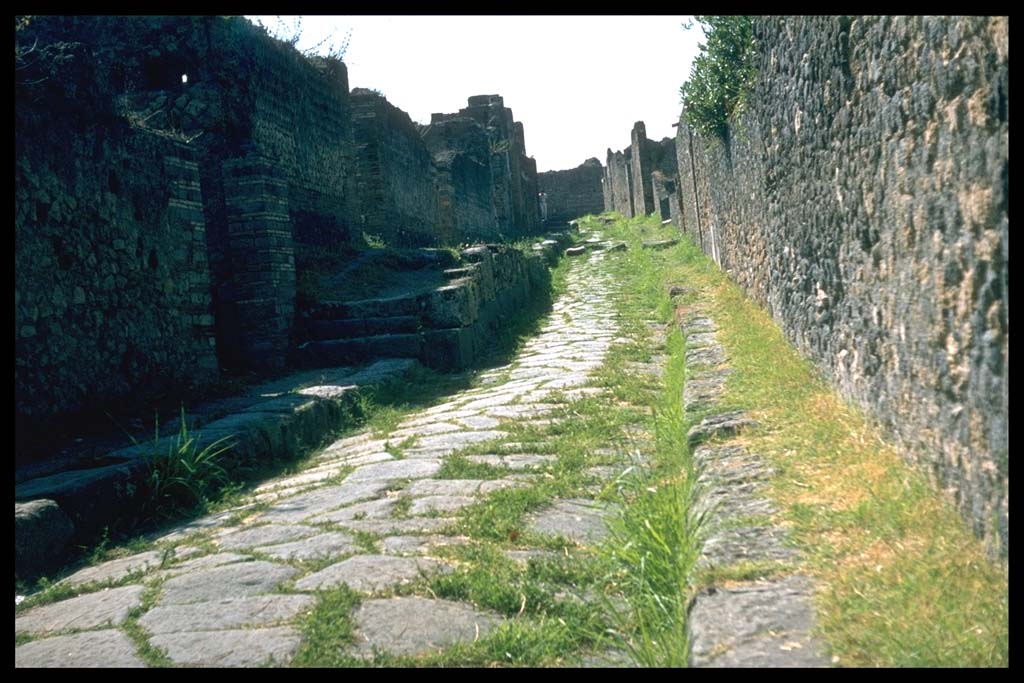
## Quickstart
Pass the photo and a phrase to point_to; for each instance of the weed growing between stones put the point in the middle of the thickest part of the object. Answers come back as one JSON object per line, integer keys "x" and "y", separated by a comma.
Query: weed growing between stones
{"x": 654, "y": 542}
{"x": 327, "y": 630}
{"x": 904, "y": 581}
{"x": 184, "y": 475}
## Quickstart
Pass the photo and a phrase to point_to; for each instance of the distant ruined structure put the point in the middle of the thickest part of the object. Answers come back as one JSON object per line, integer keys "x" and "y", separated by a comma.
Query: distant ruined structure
{"x": 573, "y": 193}
{"x": 862, "y": 197}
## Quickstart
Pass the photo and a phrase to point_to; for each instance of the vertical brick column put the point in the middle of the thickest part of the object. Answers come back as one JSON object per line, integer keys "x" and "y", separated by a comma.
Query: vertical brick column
{"x": 185, "y": 218}
{"x": 262, "y": 260}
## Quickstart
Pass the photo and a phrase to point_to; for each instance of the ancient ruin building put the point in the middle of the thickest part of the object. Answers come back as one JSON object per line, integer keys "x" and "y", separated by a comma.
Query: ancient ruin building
{"x": 397, "y": 198}
{"x": 573, "y": 193}
{"x": 620, "y": 180}
{"x": 514, "y": 174}
{"x": 174, "y": 177}
{"x": 461, "y": 150}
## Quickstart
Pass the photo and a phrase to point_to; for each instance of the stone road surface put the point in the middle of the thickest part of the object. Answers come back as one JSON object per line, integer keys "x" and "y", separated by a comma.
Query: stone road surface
{"x": 228, "y": 589}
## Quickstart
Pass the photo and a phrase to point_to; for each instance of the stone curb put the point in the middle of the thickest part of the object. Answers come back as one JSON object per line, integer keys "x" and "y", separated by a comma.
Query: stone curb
{"x": 751, "y": 624}
{"x": 76, "y": 505}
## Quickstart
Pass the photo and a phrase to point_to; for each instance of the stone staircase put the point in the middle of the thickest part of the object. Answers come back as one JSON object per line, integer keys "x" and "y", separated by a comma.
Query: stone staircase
{"x": 446, "y": 327}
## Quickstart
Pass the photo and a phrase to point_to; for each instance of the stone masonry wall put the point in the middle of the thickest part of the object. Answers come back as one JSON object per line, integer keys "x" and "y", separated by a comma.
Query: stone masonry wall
{"x": 621, "y": 194}
{"x": 573, "y": 193}
{"x": 397, "y": 199}
{"x": 863, "y": 198}
{"x": 262, "y": 300}
{"x": 513, "y": 174}
{"x": 112, "y": 296}
{"x": 461, "y": 150}
{"x": 640, "y": 153}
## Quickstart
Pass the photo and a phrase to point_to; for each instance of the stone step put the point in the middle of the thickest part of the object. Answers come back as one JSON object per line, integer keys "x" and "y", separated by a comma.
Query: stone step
{"x": 319, "y": 330}
{"x": 331, "y": 352}
{"x": 391, "y": 307}
{"x": 457, "y": 273}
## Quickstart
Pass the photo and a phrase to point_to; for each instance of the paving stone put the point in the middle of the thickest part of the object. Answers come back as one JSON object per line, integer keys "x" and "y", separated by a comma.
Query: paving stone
{"x": 109, "y": 606}
{"x": 699, "y": 339}
{"x": 414, "y": 626}
{"x": 267, "y": 534}
{"x": 368, "y": 459}
{"x": 701, "y": 393}
{"x": 418, "y": 545}
{"x": 763, "y": 625}
{"x": 379, "y": 508}
{"x": 724, "y": 503}
{"x": 318, "y": 547}
{"x": 730, "y": 465}
{"x": 697, "y": 324}
{"x": 520, "y": 411}
{"x": 237, "y": 580}
{"x": 369, "y": 573}
{"x": 385, "y": 472}
{"x": 493, "y": 485}
{"x": 571, "y": 395}
{"x": 205, "y": 562}
{"x": 313, "y": 476}
{"x": 95, "y": 649}
{"x": 328, "y": 498}
{"x": 526, "y": 372}
{"x": 720, "y": 426}
{"x": 428, "y": 429}
{"x": 41, "y": 532}
{"x": 414, "y": 525}
{"x": 427, "y": 417}
{"x": 577, "y": 519}
{"x": 115, "y": 569}
{"x": 514, "y": 461}
{"x": 567, "y": 381}
{"x": 742, "y": 544}
{"x": 183, "y": 531}
{"x": 430, "y": 504}
{"x": 443, "y": 487}
{"x": 479, "y": 422}
{"x": 218, "y": 615}
{"x": 453, "y": 441}
{"x": 604, "y": 472}
{"x": 249, "y": 647}
{"x": 707, "y": 355}
{"x": 491, "y": 401}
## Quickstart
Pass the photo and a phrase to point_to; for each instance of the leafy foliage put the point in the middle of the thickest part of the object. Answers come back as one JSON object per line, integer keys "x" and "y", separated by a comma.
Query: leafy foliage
{"x": 721, "y": 75}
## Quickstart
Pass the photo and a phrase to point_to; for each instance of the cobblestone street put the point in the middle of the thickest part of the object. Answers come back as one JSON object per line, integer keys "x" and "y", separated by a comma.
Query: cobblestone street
{"x": 227, "y": 589}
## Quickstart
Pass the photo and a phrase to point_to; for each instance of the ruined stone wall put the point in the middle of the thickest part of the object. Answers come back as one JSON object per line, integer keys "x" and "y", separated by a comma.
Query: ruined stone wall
{"x": 465, "y": 189}
{"x": 112, "y": 292}
{"x": 863, "y": 198}
{"x": 397, "y": 199}
{"x": 640, "y": 152}
{"x": 573, "y": 193}
{"x": 621, "y": 184}
{"x": 513, "y": 174}
{"x": 606, "y": 188}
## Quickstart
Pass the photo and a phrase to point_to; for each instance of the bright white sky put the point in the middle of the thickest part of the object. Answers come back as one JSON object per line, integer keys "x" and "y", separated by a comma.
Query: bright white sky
{"x": 576, "y": 83}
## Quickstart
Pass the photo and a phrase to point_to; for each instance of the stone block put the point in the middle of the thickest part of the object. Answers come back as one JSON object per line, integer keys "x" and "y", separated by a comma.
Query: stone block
{"x": 41, "y": 533}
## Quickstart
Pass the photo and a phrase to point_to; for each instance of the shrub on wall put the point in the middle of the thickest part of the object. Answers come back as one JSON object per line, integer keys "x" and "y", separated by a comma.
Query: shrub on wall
{"x": 721, "y": 75}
